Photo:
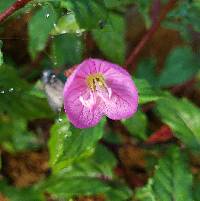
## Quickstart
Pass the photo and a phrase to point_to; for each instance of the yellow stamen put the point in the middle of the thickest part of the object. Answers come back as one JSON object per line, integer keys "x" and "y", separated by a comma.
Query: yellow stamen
{"x": 95, "y": 78}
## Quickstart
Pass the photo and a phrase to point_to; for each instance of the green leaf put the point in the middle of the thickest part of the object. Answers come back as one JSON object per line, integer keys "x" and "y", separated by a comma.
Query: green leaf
{"x": 75, "y": 186}
{"x": 15, "y": 135}
{"x": 181, "y": 62}
{"x": 172, "y": 180}
{"x": 5, "y": 4}
{"x": 20, "y": 194}
{"x": 119, "y": 193}
{"x": 100, "y": 164}
{"x": 186, "y": 13}
{"x": 15, "y": 93}
{"x": 137, "y": 125}
{"x": 146, "y": 92}
{"x": 196, "y": 190}
{"x": 39, "y": 28}
{"x": 104, "y": 160}
{"x": 144, "y": 8}
{"x": 146, "y": 70}
{"x": 117, "y": 3}
{"x": 74, "y": 145}
{"x": 67, "y": 49}
{"x": 89, "y": 14}
{"x": 69, "y": 184}
{"x": 183, "y": 117}
{"x": 111, "y": 38}
{"x": 67, "y": 24}
{"x": 60, "y": 131}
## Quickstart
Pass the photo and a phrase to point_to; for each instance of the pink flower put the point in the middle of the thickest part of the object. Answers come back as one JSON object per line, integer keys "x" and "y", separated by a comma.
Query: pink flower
{"x": 97, "y": 88}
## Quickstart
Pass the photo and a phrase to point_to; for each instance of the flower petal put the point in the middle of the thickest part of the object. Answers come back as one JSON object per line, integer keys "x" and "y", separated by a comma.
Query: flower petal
{"x": 79, "y": 115}
{"x": 124, "y": 100}
{"x": 76, "y": 87}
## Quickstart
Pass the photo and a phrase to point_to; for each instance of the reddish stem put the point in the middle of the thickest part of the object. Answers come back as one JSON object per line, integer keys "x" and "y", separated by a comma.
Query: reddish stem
{"x": 156, "y": 24}
{"x": 14, "y": 7}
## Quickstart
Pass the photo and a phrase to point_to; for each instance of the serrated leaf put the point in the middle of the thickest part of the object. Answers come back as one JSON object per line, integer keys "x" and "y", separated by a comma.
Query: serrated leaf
{"x": 44, "y": 20}
{"x": 146, "y": 92}
{"x": 179, "y": 60}
{"x": 75, "y": 145}
{"x": 67, "y": 49}
{"x": 119, "y": 193}
{"x": 64, "y": 185}
{"x": 172, "y": 180}
{"x": 111, "y": 38}
{"x": 183, "y": 117}
{"x": 23, "y": 194}
{"x": 60, "y": 131}
{"x": 88, "y": 13}
{"x": 137, "y": 125}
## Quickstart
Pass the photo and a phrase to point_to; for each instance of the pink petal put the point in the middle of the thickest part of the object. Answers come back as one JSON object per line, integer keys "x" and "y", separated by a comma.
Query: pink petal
{"x": 122, "y": 103}
{"x": 79, "y": 115}
{"x": 124, "y": 100}
{"x": 75, "y": 87}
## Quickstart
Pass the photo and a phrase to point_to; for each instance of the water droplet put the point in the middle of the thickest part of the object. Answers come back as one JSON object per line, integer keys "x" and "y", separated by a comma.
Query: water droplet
{"x": 78, "y": 33}
{"x": 60, "y": 119}
{"x": 47, "y": 15}
{"x": 11, "y": 90}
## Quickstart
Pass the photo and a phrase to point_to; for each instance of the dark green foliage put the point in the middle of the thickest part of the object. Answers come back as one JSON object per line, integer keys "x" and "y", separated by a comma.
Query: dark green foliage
{"x": 89, "y": 13}
{"x": 24, "y": 194}
{"x": 88, "y": 162}
{"x": 171, "y": 181}
{"x": 111, "y": 36}
{"x": 62, "y": 48}
{"x": 183, "y": 117}
{"x": 137, "y": 125}
{"x": 146, "y": 92}
{"x": 181, "y": 59}
{"x": 39, "y": 28}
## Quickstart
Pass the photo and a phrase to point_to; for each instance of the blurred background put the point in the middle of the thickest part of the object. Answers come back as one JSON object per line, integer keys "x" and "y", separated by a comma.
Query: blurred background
{"x": 154, "y": 155}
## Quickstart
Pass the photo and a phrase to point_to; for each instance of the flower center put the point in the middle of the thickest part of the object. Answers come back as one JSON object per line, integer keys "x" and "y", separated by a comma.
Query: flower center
{"x": 95, "y": 79}
{"x": 98, "y": 88}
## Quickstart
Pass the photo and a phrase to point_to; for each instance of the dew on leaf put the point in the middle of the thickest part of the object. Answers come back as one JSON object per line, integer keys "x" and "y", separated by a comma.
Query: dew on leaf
{"x": 11, "y": 90}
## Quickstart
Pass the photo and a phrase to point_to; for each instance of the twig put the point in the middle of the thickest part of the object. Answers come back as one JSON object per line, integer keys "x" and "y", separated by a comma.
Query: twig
{"x": 14, "y": 7}
{"x": 156, "y": 24}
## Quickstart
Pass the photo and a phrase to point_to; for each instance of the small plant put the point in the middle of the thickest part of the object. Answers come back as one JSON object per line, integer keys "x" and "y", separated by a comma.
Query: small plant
{"x": 99, "y": 100}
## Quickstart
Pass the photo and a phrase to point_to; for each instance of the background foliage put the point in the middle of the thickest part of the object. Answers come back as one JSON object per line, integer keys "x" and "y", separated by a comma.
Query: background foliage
{"x": 153, "y": 156}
